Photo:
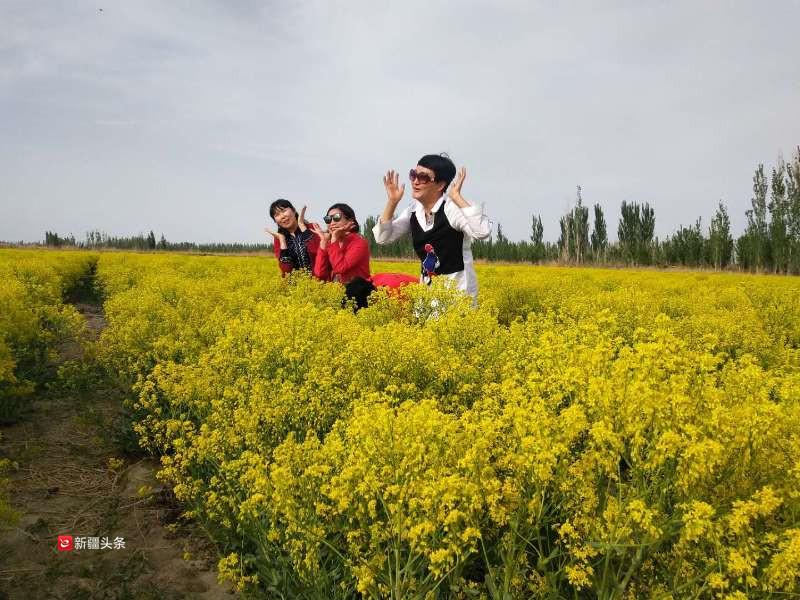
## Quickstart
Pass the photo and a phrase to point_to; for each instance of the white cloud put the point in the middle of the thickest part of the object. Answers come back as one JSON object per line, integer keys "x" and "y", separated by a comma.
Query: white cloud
{"x": 169, "y": 106}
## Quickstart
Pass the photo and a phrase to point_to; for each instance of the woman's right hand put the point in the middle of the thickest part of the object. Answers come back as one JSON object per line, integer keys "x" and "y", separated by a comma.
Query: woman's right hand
{"x": 394, "y": 189}
{"x": 324, "y": 236}
{"x": 278, "y": 237}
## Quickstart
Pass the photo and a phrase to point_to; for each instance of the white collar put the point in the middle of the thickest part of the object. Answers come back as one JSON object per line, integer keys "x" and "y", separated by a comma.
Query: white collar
{"x": 419, "y": 209}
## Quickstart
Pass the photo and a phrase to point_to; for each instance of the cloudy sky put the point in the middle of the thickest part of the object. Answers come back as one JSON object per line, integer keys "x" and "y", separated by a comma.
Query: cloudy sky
{"x": 189, "y": 118}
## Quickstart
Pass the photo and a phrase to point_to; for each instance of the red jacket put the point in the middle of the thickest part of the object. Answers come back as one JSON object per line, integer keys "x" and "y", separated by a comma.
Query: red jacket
{"x": 342, "y": 261}
{"x": 312, "y": 246}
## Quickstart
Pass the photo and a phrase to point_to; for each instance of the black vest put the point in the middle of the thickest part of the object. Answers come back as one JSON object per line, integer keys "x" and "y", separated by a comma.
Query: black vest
{"x": 447, "y": 242}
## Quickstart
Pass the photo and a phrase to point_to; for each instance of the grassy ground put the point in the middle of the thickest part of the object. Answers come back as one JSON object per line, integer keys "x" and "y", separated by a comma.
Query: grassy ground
{"x": 78, "y": 473}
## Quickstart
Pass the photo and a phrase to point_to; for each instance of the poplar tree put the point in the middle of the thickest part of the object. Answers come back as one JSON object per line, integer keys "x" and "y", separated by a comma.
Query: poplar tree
{"x": 566, "y": 242}
{"x": 574, "y": 240}
{"x": 756, "y": 232}
{"x": 537, "y": 238}
{"x": 599, "y": 234}
{"x": 720, "y": 242}
{"x": 580, "y": 224}
{"x": 778, "y": 211}
{"x": 628, "y": 231}
{"x": 793, "y": 211}
{"x": 647, "y": 227}
{"x": 635, "y": 232}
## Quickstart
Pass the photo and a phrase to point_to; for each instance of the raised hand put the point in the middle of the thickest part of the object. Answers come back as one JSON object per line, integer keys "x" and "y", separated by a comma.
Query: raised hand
{"x": 324, "y": 236}
{"x": 454, "y": 191}
{"x": 339, "y": 230}
{"x": 394, "y": 189}
{"x": 279, "y": 238}
{"x": 301, "y": 220}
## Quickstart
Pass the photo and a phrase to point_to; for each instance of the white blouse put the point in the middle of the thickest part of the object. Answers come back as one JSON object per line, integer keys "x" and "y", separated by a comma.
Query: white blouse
{"x": 470, "y": 220}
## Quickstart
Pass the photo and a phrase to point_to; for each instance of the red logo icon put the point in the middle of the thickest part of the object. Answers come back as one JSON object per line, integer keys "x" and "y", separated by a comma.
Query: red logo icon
{"x": 64, "y": 543}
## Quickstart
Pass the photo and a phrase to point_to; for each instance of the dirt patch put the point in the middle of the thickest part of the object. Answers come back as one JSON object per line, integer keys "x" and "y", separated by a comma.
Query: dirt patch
{"x": 95, "y": 320}
{"x": 73, "y": 479}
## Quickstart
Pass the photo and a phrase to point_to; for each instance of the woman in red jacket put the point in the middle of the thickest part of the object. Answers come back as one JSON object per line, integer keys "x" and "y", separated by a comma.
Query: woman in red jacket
{"x": 294, "y": 244}
{"x": 343, "y": 254}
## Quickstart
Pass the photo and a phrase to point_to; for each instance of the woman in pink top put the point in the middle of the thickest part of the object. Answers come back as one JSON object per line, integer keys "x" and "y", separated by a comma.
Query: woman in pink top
{"x": 343, "y": 254}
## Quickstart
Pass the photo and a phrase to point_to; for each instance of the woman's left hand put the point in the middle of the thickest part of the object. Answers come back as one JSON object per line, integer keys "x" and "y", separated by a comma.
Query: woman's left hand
{"x": 339, "y": 230}
{"x": 301, "y": 220}
{"x": 454, "y": 191}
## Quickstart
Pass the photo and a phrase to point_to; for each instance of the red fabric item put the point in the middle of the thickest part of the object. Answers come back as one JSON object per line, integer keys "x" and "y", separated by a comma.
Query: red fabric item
{"x": 393, "y": 280}
{"x": 342, "y": 261}
{"x": 312, "y": 246}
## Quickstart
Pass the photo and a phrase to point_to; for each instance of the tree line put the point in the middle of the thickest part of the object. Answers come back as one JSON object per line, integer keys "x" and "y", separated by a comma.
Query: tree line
{"x": 770, "y": 242}
{"x": 97, "y": 239}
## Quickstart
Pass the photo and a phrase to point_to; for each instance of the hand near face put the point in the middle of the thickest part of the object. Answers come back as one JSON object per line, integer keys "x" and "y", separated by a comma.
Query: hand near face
{"x": 339, "y": 230}
{"x": 278, "y": 237}
{"x": 454, "y": 191}
{"x": 334, "y": 229}
{"x": 324, "y": 236}
{"x": 301, "y": 220}
{"x": 394, "y": 189}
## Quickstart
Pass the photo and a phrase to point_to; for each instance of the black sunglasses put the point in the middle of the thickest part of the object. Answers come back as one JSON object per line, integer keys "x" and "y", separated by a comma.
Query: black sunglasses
{"x": 336, "y": 217}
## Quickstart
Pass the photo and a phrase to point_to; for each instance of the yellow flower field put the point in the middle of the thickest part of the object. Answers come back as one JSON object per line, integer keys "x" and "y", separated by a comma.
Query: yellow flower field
{"x": 582, "y": 433}
{"x": 33, "y": 315}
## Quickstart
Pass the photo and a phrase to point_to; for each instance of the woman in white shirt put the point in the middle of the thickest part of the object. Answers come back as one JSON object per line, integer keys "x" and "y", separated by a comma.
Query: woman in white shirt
{"x": 441, "y": 227}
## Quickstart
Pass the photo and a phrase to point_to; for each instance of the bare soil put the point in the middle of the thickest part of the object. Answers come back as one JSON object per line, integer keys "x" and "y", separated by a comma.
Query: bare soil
{"x": 74, "y": 478}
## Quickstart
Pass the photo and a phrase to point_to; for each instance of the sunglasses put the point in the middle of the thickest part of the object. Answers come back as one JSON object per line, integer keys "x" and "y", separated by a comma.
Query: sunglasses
{"x": 335, "y": 217}
{"x": 420, "y": 177}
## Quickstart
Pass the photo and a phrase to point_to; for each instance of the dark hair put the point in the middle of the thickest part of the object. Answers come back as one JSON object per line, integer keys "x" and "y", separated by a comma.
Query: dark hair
{"x": 347, "y": 212}
{"x": 441, "y": 165}
{"x": 358, "y": 289}
{"x": 280, "y": 204}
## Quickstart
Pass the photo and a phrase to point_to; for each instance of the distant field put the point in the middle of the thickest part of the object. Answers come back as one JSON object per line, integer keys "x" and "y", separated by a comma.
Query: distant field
{"x": 583, "y": 432}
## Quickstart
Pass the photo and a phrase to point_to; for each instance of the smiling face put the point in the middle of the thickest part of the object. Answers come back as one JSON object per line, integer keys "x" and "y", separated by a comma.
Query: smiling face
{"x": 285, "y": 217}
{"x": 336, "y": 219}
{"x": 429, "y": 189}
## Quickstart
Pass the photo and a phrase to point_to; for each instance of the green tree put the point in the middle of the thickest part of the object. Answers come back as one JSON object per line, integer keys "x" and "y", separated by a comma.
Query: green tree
{"x": 538, "y": 250}
{"x": 574, "y": 239}
{"x": 687, "y": 246}
{"x": 793, "y": 211}
{"x": 580, "y": 224}
{"x": 779, "y": 214}
{"x": 599, "y": 234}
{"x": 635, "y": 232}
{"x": 51, "y": 238}
{"x": 647, "y": 226}
{"x": 566, "y": 241}
{"x": 720, "y": 242}
{"x": 369, "y": 223}
{"x": 756, "y": 230}
{"x": 501, "y": 238}
{"x": 628, "y": 231}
